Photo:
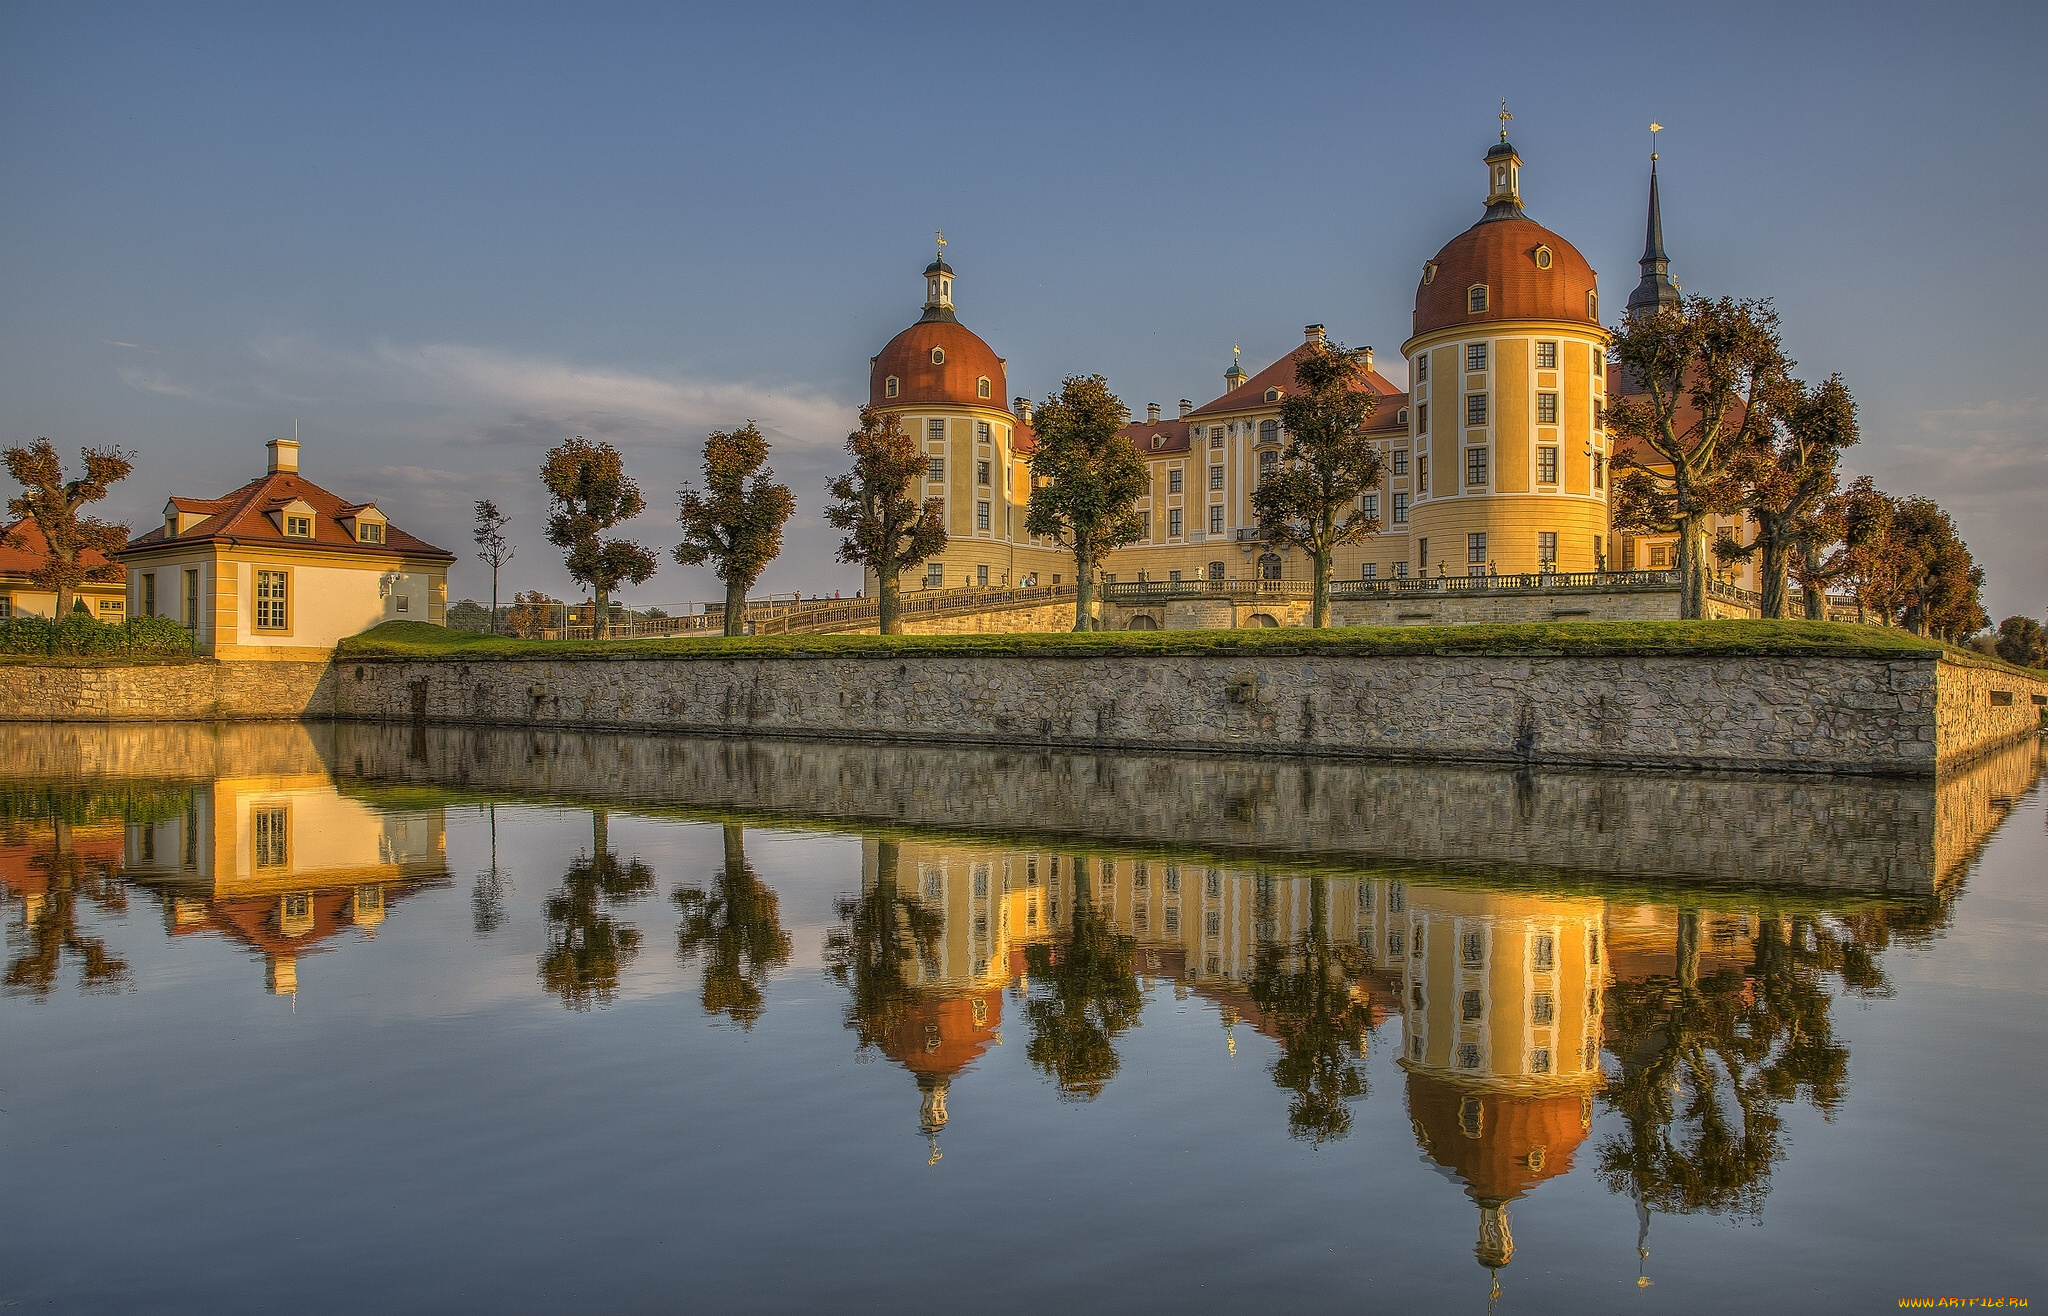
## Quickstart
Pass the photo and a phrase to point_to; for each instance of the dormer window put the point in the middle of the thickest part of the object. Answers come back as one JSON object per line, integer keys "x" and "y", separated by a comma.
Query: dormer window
{"x": 1404, "y": 415}
{"x": 982, "y": 388}
{"x": 1542, "y": 258}
{"x": 1272, "y": 395}
{"x": 1592, "y": 306}
{"x": 1428, "y": 272}
{"x": 369, "y": 532}
{"x": 1475, "y": 299}
{"x": 890, "y": 387}
{"x": 938, "y": 356}
{"x": 298, "y": 526}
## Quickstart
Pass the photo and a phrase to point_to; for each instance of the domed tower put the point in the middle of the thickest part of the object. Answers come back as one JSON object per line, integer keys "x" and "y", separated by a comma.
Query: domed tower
{"x": 1501, "y": 1033}
{"x": 948, "y": 386}
{"x": 1507, "y": 378}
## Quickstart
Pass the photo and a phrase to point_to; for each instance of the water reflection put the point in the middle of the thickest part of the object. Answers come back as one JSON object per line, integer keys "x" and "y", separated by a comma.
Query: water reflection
{"x": 587, "y": 948}
{"x": 1465, "y": 938}
{"x": 737, "y": 927}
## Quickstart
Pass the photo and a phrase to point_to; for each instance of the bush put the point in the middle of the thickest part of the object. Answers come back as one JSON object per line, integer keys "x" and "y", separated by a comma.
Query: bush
{"x": 79, "y": 636}
{"x": 2022, "y": 642}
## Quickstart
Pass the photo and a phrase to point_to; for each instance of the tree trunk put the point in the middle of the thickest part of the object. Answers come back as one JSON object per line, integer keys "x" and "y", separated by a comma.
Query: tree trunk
{"x": 494, "y": 600}
{"x": 1692, "y": 567}
{"x": 1319, "y": 601}
{"x": 889, "y": 599}
{"x": 1777, "y": 563}
{"x": 1810, "y": 594}
{"x": 600, "y": 614}
{"x": 1084, "y": 590}
{"x": 736, "y": 607}
{"x": 65, "y": 595}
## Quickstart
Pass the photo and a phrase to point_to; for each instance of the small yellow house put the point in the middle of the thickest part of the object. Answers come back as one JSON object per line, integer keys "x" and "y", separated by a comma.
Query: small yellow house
{"x": 23, "y": 550}
{"x": 281, "y": 568}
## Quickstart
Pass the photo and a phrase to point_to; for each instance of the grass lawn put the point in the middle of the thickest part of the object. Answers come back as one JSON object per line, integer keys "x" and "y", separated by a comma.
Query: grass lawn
{"x": 412, "y": 639}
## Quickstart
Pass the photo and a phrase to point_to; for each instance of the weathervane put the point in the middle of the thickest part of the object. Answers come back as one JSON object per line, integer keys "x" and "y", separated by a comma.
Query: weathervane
{"x": 942, "y": 244}
{"x": 1655, "y": 128}
{"x": 1504, "y": 117}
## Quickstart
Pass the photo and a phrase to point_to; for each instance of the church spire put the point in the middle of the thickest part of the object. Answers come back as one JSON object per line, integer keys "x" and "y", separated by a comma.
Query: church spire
{"x": 1656, "y": 292}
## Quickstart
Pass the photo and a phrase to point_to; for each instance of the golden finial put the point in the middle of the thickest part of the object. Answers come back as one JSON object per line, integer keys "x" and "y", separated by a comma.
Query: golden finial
{"x": 1235, "y": 352}
{"x": 942, "y": 243}
{"x": 1655, "y": 128}
{"x": 1504, "y": 117}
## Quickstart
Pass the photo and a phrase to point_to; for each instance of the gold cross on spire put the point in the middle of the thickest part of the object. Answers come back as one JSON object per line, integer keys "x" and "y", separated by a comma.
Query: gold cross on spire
{"x": 1655, "y": 128}
{"x": 1504, "y": 117}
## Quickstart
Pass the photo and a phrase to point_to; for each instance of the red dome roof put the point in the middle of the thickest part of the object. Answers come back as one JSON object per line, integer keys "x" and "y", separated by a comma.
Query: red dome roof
{"x": 1502, "y": 254}
{"x": 956, "y": 379}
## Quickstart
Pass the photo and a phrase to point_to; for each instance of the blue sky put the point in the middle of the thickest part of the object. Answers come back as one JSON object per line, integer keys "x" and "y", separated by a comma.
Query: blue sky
{"x": 442, "y": 237}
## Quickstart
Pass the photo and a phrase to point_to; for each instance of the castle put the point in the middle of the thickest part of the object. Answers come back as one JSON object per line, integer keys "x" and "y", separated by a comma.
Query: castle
{"x": 1493, "y": 462}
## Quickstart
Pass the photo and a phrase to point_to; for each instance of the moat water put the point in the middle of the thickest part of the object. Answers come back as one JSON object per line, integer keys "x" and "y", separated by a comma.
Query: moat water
{"x": 340, "y": 1019}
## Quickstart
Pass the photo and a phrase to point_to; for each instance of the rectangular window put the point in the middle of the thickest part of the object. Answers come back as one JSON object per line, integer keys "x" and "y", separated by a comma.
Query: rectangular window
{"x": 1173, "y": 576}
{"x": 271, "y": 600}
{"x": 1144, "y": 525}
{"x": 935, "y": 469}
{"x": 1599, "y": 365}
{"x": 1400, "y": 461}
{"x": 1475, "y": 546}
{"x": 1475, "y": 356}
{"x": 113, "y": 605}
{"x": 982, "y": 434}
{"x": 1422, "y": 474}
{"x": 1172, "y": 921}
{"x": 1368, "y": 572}
{"x": 1546, "y": 356}
{"x": 981, "y": 473}
{"x": 981, "y": 516}
{"x": 1475, "y": 408}
{"x": 1545, "y": 952}
{"x": 149, "y": 594}
{"x": 981, "y": 576}
{"x": 1422, "y": 418}
{"x": 1539, "y": 1060}
{"x": 272, "y": 836}
{"x": 1370, "y": 505}
{"x": 1471, "y": 1007}
{"x": 1422, "y": 368}
{"x": 1472, "y": 948}
{"x": 1599, "y": 472}
{"x": 1269, "y": 462}
{"x": 1400, "y": 571}
{"x": 191, "y": 618}
{"x": 1660, "y": 557}
{"x": 1599, "y": 417}
{"x": 404, "y": 602}
{"x": 1216, "y": 520}
{"x": 1173, "y": 522}
{"x": 1542, "y": 1010}
{"x": 1546, "y": 408}
{"x": 1215, "y": 477}
{"x": 369, "y": 532}
{"x": 1546, "y": 549}
{"x": 1400, "y": 509}
{"x": 1475, "y": 299}
{"x": 1215, "y": 436}
{"x": 1173, "y": 480}
{"x": 299, "y": 527}
{"x": 1422, "y": 553}
{"x": 934, "y": 575}
{"x": 935, "y": 429}
{"x": 1475, "y": 466}
{"x": 1546, "y": 465}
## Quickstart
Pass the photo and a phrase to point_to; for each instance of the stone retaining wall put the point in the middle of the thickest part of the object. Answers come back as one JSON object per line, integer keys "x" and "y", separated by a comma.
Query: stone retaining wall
{"x": 143, "y": 691}
{"x": 1762, "y": 713}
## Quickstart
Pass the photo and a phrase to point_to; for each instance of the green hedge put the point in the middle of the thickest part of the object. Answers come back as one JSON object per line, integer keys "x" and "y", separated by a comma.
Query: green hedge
{"x": 80, "y": 636}
{"x": 411, "y": 639}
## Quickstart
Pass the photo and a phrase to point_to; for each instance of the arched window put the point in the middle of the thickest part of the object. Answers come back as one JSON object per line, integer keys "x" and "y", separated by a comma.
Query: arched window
{"x": 1140, "y": 622}
{"x": 938, "y": 356}
{"x": 1272, "y": 395}
{"x": 1269, "y": 431}
{"x": 1592, "y": 306}
{"x": 1261, "y": 621}
{"x": 890, "y": 387}
{"x": 981, "y": 387}
{"x": 1404, "y": 416}
{"x": 1475, "y": 299}
{"x": 1215, "y": 571}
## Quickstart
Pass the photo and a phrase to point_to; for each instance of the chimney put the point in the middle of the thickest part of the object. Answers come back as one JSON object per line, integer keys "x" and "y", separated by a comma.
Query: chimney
{"x": 1368, "y": 356}
{"x": 1313, "y": 333}
{"x": 1022, "y": 407}
{"x": 1185, "y": 407}
{"x": 1151, "y": 413}
{"x": 284, "y": 455}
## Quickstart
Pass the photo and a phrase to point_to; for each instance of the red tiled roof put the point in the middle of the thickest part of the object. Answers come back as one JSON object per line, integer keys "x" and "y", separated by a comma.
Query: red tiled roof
{"x": 1153, "y": 438}
{"x": 1251, "y": 394}
{"x": 954, "y": 380}
{"x": 24, "y": 549}
{"x": 242, "y": 517}
{"x": 1501, "y": 253}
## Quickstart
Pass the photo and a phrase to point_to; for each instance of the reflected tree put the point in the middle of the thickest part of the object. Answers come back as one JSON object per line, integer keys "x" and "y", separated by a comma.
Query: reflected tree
{"x": 487, "y": 897}
{"x": 1320, "y": 1018}
{"x": 588, "y": 949}
{"x": 1085, "y": 996}
{"x": 881, "y": 933}
{"x": 50, "y": 926}
{"x": 737, "y": 927}
{"x": 1707, "y": 1063}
